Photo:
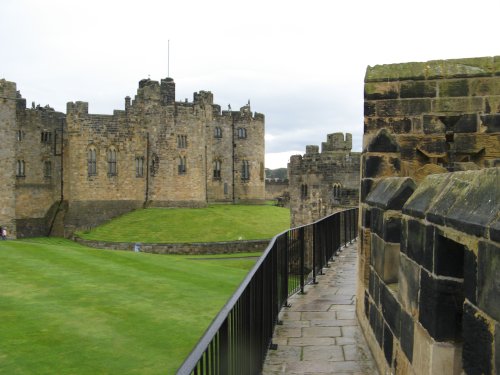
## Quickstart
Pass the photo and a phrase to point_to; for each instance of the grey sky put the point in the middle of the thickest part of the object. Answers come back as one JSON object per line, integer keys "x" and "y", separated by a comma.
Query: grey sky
{"x": 300, "y": 63}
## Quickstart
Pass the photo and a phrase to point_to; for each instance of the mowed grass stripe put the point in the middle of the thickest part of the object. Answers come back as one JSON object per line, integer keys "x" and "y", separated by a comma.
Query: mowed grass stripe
{"x": 68, "y": 309}
{"x": 179, "y": 225}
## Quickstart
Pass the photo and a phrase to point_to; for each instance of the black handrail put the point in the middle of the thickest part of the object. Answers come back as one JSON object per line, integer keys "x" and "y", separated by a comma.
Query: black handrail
{"x": 239, "y": 337}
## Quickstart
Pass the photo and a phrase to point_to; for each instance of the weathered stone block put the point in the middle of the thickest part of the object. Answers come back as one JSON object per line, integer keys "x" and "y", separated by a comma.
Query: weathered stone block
{"x": 391, "y": 309}
{"x": 366, "y": 218}
{"x": 488, "y": 276}
{"x": 440, "y": 307}
{"x": 388, "y": 343}
{"x": 448, "y": 257}
{"x": 383, "y": 142}
{"x": 470, "y": 276}
{"x": 454, "y": 105}
{"x": 406, "y": 334}
{"x": 395, "y": 72}
{"x": 453, "y": 87}
{"x": 492, "y": 123}
{"x": 365, "y": 188}
{"x": 420, "y": 243}
{"x": 374, "y": 287}
{"x": 381, "y": 90}
{"x": 418, "y": 89}
{"x": 466, "y": 123}
{"x": 467, "y": 200}
{"x": 423, "y": 197}
{"x": 377, "y": 324}
{"x": 433, "y": 125}
{"x": 403, "y": 107}
{"x": 377, "y": 221}
{"x": 391, "y": 193}
{"x": 385, "y": 259}
{"x": 409, "y": 283}
{"x": 477, "y": 348}
{"x": 392, "y": 228}
{"x": 373, "y": 166}
{"x": 370, "y": 108}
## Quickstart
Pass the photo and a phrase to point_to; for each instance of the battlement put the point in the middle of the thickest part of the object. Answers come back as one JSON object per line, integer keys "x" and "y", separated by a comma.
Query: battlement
{"x": 203, "y": 97}
{"x": 337, "y": 142}
{"x": 77, "y": 107}
{"x": 7, "y": 89}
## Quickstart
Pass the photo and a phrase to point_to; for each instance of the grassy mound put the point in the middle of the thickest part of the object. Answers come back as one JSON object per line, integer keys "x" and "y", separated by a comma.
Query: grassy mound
{"x": 68, "y": 309}
{"x": 177, "y": 225}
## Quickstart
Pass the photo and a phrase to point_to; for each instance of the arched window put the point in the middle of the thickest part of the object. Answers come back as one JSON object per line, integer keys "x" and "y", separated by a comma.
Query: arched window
{"x": 47, "y": 168}
{"x": 20, "y": 168}
{"x": 182, "y": 164}
{"x": 139, "y": 166}
{"x": 182, "y": 141}
{"x": 217, "y": 132}
{"x": 112, "y": 171}
{"x": 245, "y": 170}
{"x": 242, "y": 133}
{"x": 303, "y": 191}
{"x": 217, "y": 169}
{"x": 336, "y": 191}
{"x": 91, "y": 161}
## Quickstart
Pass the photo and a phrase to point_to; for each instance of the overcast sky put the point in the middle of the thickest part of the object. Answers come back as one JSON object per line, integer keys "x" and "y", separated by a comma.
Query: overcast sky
{"x": 301, "y": 63}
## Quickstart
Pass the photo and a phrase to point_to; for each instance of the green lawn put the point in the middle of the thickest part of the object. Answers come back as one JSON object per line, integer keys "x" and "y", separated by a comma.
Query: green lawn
{"x": 67, "y": 309}
{"x": 211, "y": 224}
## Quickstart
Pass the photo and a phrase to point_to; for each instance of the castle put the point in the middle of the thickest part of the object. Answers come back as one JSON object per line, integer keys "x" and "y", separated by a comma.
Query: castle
{"x": 321, "y": 183}
{"x": 63, "y": 172}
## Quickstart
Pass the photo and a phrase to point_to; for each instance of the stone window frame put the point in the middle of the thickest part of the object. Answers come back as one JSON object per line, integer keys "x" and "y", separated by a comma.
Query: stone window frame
{"x": 20, "y": 168}
{"x": 218, "y": 132}
{"x": 92, "y": 161}
{"x": 304, "y": 193}
{"x": 245, "y": 170}
{"x": 182, "y": 141}
{"x": 217, "y": 169}
{"x": 47, "y": 169}
{"x": 19, "y": 135}
{"x": 336, "y": 191}
{"x": 111, "y": 156}
{"x": 181, "y": 167}
{"x": 242, "y": 133}
{"x": 139, "y": 166}
{"x": 46, "y": 137}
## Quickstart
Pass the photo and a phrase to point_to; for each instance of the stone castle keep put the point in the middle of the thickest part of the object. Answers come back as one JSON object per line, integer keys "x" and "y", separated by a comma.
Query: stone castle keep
{"x": 322, "y": 183}
{"x": 429, "y": 246}
{"x": 61, "y": 172}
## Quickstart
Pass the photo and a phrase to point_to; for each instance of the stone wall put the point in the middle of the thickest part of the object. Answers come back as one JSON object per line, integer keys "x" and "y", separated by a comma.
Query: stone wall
{"x": 323, "y": 182}
{"x": 429, "y": 243}
{"x": 181, "y": 248}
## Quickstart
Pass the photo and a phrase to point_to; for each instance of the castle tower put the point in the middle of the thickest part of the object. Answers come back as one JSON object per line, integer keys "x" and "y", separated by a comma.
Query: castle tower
{"x": 8, "y": 131}
{"x": 167, "y": 89}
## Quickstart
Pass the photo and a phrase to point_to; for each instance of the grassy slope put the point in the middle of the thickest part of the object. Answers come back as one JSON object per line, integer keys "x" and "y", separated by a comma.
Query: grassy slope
{"x": 215, "y": 223}
{"x": 68, "y": 309}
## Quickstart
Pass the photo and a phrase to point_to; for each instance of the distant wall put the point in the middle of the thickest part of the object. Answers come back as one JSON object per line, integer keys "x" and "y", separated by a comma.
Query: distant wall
{"x": 182, "y": 248}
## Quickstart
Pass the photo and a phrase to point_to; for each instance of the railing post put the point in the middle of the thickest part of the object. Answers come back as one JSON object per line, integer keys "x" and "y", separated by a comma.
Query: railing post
{"x": 302, "y": 258}
{"x": 314, "y": 256}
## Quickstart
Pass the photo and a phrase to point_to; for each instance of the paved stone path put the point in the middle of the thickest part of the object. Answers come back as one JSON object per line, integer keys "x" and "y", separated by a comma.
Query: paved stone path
{"x": 320, "y": 333}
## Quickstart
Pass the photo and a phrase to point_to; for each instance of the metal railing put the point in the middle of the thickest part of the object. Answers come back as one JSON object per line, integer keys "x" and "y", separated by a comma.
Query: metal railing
{"x": 239, "y": 337}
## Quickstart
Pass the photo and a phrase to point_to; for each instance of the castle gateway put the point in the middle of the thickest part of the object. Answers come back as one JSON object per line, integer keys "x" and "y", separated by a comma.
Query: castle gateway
{"x": 63, "y": 172}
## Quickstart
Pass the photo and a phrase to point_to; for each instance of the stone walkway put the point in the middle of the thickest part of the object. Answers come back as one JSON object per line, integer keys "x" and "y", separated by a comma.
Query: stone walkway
{"x": 320, "y": 333}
